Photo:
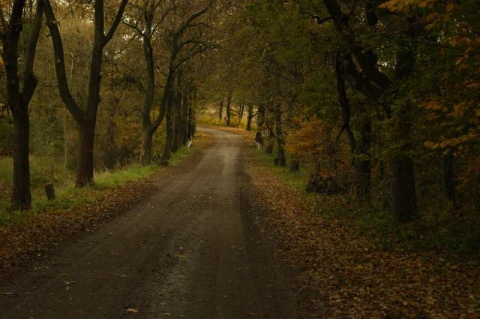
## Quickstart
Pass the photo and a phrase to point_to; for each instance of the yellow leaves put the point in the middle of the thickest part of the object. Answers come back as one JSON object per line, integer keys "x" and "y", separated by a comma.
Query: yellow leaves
{"x": 433, "y": 105}
{"x": 406, "y": 5}
{"x": 458, "y": 110}
{"x": 306, "y": 140}
{"x": 132, "y": 310}
{"x": 451, "y": 6}
{"x": 454, "y": 142}
{"x": 435, "y": 9}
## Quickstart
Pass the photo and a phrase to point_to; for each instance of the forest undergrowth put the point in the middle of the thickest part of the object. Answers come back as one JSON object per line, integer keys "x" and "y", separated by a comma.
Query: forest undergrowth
{"x": 343, "y": 271}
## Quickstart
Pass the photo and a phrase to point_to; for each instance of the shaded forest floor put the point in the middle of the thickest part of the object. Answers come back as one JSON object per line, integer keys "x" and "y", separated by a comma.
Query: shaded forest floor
{"x": 342, "y": 272}
{"x": 40, "y": 232}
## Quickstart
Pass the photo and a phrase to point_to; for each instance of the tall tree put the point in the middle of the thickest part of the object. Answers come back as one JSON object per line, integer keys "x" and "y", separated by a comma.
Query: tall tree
{"x": 85, "y": 116}
{"x": 186, "y": 40}
{"x": 20, "y": 89}
{"x": 365, "y": 75}
{"x": 146, "y": 18}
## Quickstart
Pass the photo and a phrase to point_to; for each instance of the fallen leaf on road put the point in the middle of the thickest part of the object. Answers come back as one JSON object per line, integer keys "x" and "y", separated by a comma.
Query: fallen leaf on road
{"x": 132, "y": 310}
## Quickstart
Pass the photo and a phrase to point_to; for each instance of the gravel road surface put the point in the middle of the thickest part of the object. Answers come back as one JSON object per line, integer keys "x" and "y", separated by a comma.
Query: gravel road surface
{"x": 192, "y": 250}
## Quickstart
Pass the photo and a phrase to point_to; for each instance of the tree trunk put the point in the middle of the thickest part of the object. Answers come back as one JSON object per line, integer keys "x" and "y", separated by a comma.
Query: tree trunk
{"x": 261, "y": 117}
{"x": 241, "y": 110}
{"x": 294, "y": 165}
{"x": 249, "y": 117}
{"x": 361, "y": 161}
{"x": 191, "y": 123}
{"x": 449, "y": 177}
{"x": 146, "y": 152}
{"x": 85, "y": 117}
{"x": 85, "y": 156}
{"x": 148, "y": 98}
{"x": 21, "y": 194}
{"x": 229, "y": 108}
{"x": 19, "y": 94}
{"x": 403, "y": 182}
{"x": 176, "y": 119}
{"x": 169, "y": 124}
{"x": 403, "y": 190}
{"x": 280, "y": 160}
{"x": 220, "y": 110}
{"x": 185, "y": 116}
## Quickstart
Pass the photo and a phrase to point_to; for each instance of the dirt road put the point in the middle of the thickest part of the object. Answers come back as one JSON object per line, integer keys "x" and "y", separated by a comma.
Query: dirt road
{"x": 191, "y": 250}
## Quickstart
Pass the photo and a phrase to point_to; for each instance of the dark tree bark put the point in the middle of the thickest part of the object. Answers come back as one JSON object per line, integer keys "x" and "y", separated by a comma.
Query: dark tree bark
{"x": 361, "y": 148}
{"x": 220, "y": 110}
{"x": 241, "y": 110}
{"x": 361, "y": 160}
{"x": 371, "y": 82}
{"x": 404, "y": 206}
{"x": 280, "y": 160}
{"x": 169, "y": 128}
{"x": 19, "y": 94}
{"x": 294, "y": 165}
{"x": 403, "y": 186}
{"x": 261, "y": 116}
{"x": 449, "y": 177}
{"x": 177, "y": 114}
{"x": 84, "y": 172}
{"x": 250, "y": 116}
{"x": 185, "y": 115}
{"x": 228, "y": 108}
{"x": 150, "y": 125}
{"x": 85, "y": 117}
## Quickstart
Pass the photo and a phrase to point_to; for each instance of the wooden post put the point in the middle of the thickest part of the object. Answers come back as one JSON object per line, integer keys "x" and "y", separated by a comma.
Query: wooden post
{"x": 50, "y": 191}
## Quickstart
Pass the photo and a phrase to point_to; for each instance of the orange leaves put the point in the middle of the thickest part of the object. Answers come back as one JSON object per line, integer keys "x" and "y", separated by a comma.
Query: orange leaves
{"x": 406, "y": 5}
{"x": 434, "y": 10}
{"x": 340, "y": 272}
{"x": 452, "y": 142}
{"x": 309, "y": 142}
{"x": 433, "y": 105}
{"x": 449, "y": 117}
{"x": 403, "y": 6}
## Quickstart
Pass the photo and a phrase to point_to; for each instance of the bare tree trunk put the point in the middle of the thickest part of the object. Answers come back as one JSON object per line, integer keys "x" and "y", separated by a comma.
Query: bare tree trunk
{"x": 21, "y": 194}
{"x": 85, "y": 117}
{"x": 146, "y": 152}
{"x": 361, "y": 160}
{"x": 85, "y": 155}
{"x": 220, "y": 110}
{"x": 250, "y": 117}
{"x": 19, "y": 96}
{"x": 449, "y": 177}
{"x": 177, "y": 113}
{"x": 191, "y": 122}
{"x": 185, "y": 115}
{"x": 403, "y": 189}
{"x": 280, "y": 160}
{"x": 169, "y": 123}
{"x": 229, "y": 108}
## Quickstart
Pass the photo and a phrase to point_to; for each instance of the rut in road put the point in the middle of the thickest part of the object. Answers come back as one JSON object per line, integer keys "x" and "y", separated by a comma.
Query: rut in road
{"x": 191, "y": 250}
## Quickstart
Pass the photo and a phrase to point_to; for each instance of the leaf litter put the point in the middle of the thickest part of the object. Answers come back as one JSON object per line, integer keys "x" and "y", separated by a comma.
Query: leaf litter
{"x": 340, "y": 272}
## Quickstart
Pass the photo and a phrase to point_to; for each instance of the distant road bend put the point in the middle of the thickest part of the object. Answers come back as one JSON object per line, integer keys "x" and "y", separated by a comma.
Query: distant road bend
{"x": 191, "y": 250}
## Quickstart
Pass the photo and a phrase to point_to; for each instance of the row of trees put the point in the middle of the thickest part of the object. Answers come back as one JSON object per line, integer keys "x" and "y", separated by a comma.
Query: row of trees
{"x": 381, "y": 95}
{"x": 100, "y": 57}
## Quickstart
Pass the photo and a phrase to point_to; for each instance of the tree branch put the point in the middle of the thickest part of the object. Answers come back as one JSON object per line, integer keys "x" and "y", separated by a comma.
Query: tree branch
{"x": 63, "y": 87}
{"x": 116, "y": 22}
{"x": 30, "y": 81}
